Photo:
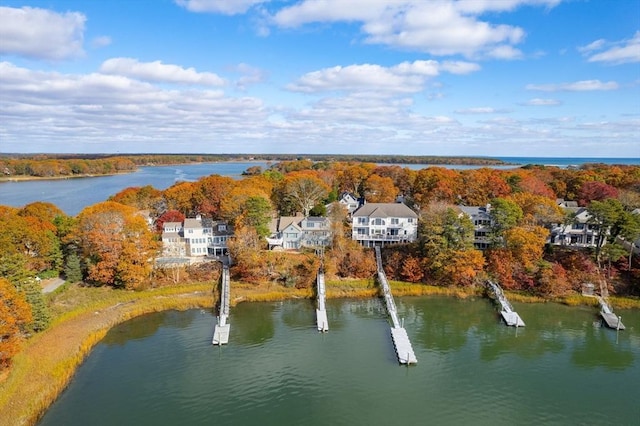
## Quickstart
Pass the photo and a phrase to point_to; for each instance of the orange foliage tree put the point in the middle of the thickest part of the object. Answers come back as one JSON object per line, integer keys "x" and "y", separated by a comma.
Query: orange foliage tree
{"x": 117, "y": 245}
{"x": 380, "y": 189}
{"x": 15, "y": 316}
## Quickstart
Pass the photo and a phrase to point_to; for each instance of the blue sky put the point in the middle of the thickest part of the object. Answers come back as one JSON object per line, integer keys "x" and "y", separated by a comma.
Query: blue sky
{"x": 414, "y": 77}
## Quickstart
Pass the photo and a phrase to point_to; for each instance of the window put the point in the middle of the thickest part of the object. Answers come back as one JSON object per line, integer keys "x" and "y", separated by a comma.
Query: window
{"x": 377, "y": 221}
{"x": 410, "y": 220}
{"x": 395, "y": 221}
{"x": 362, "y": 221}
{"x": 222, "y": 227}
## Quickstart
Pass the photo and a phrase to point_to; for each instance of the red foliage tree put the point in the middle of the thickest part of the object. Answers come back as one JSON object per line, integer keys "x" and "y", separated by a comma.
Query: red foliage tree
{"x": 595, "y": 191}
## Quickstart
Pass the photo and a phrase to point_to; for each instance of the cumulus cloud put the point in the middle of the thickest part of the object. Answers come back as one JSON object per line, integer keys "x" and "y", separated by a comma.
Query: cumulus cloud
{"x": 578, "y": 86}
{"x": 41, "y": 34}
{"x": 406, "y": 77}
{"x": 437, "y": 27}
{"x": 620, "y": 52}
{"x": 158, "y": 72}
{"x": 225, "y": 7}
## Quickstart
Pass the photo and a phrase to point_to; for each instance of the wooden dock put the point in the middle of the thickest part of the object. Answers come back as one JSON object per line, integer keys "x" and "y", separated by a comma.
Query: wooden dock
{"x": 509, "y": 316}
{"x": 399, "y": 336}
{"x": 610, "y": 319}
{"x": 222, "y": 327}
{"x": 321, "y": 312}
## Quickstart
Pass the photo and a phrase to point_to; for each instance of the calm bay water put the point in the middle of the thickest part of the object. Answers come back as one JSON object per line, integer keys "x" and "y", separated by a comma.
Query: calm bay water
{"x": 161, "y": 369}
{"x": 72, "y": 195}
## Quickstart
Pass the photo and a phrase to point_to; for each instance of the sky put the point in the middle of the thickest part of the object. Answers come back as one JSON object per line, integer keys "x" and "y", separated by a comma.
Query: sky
{"x": 528, "y": 78}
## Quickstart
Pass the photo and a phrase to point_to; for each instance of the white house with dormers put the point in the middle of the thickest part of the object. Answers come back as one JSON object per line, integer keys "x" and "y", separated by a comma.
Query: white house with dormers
{"x": 195, "y": 237}
{"x": 296, "y": 232}
{"x": 576, "y": 232}
{"x": 377, "y": 224}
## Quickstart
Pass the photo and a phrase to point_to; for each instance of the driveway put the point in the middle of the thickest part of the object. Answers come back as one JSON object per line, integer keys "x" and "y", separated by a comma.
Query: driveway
{"x": 49, "y": 286}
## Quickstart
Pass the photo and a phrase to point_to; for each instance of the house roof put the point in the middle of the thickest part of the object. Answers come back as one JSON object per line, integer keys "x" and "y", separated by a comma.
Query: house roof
{"x": 385, "y": 210}
{"x": 474, "y": 210}
{"x": 172, "y": 225}
{"x": 192, "y": 223}
{"x": 278, "y": 224}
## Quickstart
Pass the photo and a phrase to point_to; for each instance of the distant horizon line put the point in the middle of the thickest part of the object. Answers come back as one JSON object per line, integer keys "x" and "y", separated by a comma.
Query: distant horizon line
{"x": 312, "y": 155}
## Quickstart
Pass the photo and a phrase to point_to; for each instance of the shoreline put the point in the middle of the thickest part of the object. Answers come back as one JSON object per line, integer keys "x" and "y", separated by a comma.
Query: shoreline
{"x": 45, "y": 367}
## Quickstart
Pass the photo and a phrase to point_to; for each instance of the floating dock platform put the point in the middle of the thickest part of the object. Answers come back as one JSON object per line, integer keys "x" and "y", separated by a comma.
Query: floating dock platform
{"x": 509, "y": 316}
{"x": 610, "y": 319}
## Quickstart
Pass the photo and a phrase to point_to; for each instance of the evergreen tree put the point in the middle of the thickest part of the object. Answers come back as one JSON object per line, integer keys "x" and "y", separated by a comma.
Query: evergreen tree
{"x": 72, "y": 270}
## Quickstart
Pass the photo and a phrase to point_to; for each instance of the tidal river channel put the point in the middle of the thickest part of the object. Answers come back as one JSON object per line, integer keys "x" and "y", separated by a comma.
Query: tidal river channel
{"x": 563, "y": 368}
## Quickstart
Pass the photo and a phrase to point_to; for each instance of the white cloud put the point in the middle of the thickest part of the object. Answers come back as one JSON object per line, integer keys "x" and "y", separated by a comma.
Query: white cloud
{"x": 481, "y": 110}
{"x": 226, "y": 7}
{"x": 622, "y": 52}
{"x": 158, "y": 72}
{"x": 541, "y": 102}
{"x": 406, "y": 77}
{"x": 40, "y": 33}
{"x": 439, "y": 27}
{"x": 578, "y": 86}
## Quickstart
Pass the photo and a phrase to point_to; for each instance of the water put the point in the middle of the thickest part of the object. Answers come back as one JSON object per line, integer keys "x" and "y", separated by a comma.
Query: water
{"x": 72, "y": 195}
{"x": 161, "y": 369}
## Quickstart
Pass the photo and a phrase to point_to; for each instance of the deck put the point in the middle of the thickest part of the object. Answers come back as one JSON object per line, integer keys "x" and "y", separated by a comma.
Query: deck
{"x": 321, "y": 313}
{"x": 222, "y": 328}
{"x": 509, "y": 316}
{"x": 610, "y": 319}
{"x": 399, "y": 336}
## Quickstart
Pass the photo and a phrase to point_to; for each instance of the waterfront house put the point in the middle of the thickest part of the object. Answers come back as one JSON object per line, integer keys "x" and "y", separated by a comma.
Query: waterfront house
{"x": 377, "y": 224}
{"x": 482, "y": 224}
{"x": 576, "y": 231}
{"x": 296, "y": 232}
{"x": 196, "y": 238}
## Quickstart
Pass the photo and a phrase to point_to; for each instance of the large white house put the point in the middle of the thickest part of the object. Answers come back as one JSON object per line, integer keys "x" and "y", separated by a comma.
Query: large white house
{"x": 195, "y": 237}
{"x": 377, "y": 224}
{"x": 576, "y": 232}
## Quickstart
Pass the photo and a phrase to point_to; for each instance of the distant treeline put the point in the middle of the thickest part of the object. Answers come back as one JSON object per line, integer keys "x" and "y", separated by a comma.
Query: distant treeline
{"x": 62, "y": 165}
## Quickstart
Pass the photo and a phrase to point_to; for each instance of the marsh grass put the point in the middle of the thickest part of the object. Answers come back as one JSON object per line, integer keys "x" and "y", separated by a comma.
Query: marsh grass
{"x": 82, "y": 317}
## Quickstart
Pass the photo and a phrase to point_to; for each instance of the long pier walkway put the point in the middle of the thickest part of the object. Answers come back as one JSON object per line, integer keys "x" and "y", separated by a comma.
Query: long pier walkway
{"x": 221, "y": 329}
{"x": 401, "y": 342}
{"x": 606, "y": 312}
{"x": 506, "y": 310}
{"x": 321, "y": 312}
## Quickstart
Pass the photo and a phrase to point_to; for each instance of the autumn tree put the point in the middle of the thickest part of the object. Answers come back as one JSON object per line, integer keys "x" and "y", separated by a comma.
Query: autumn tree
{"x": 526, "y": 244}
{"x": 379, "y": 189}
{"x": 303, "y": 190}
{"x": 537, "y": 209}
{"x": 435, "y": 184}
{"x": 142, "y": 198}
{"x": 117, "y": 246}
{"x": 605, "y": 216}
{"x": 15, "y": 315}
{"x": 505, "y": 215}
{"x": 595, "y": 191}
{"x": 209, "y": 194}
{"x": 168, "y": 216}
